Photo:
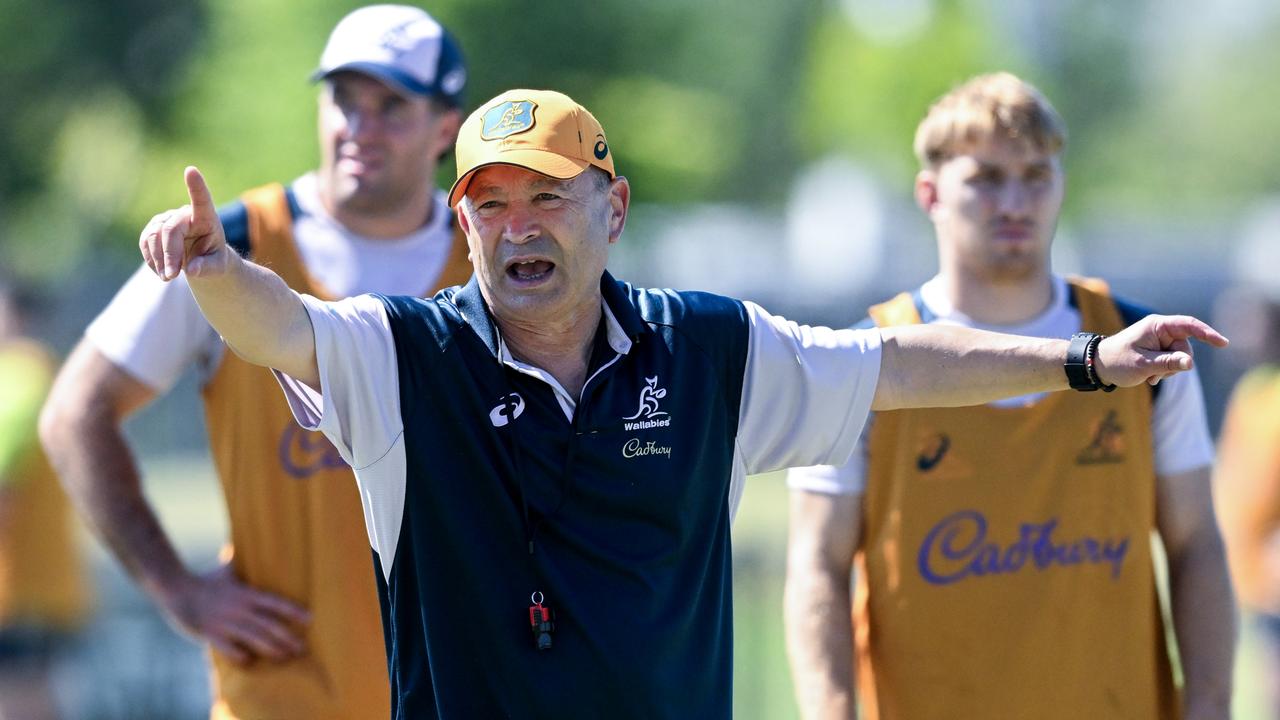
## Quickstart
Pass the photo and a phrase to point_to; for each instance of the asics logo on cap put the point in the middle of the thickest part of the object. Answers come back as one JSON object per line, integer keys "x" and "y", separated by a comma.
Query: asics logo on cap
{"x": 452, "y": 83}
{"x": 508, "y": 118}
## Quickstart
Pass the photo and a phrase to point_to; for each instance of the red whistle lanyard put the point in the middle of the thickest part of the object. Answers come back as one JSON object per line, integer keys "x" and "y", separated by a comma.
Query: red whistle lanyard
{"x": 541, "y": 621}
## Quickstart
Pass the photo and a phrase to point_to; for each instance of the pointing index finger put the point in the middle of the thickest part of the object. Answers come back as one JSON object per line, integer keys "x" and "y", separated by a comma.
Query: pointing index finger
{"x": 198, "y": 190}
{"x": 1189, "y": 327}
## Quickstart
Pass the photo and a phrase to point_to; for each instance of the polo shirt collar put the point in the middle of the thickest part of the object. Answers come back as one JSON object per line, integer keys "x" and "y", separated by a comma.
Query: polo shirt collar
{"x": 623, "y": 324}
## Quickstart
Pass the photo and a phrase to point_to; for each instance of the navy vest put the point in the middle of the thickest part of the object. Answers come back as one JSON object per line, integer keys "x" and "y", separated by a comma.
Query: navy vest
{"x": 628, "y": 505}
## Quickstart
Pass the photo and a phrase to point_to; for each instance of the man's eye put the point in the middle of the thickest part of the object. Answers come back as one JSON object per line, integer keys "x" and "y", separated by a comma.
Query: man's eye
{"x": 488, "y": 205}
{"x": 546, "y": 196}
{"x": 395, "y": 108}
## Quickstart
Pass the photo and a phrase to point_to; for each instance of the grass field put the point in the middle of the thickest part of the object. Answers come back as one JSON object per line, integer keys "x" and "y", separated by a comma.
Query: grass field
{"x": 761, "y": 681}
{"x": 191, "y": 506}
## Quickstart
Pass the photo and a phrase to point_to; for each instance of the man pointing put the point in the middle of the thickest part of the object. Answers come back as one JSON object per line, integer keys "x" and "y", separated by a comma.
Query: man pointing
{"x": 549, "y": 459}
{"x": 291, "y": 619}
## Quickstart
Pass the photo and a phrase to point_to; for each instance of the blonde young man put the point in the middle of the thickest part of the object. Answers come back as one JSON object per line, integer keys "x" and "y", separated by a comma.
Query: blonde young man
{"x": 1002, "y": 552}
{"x": 550, "y": 459}
{"x": 292, "y": 618}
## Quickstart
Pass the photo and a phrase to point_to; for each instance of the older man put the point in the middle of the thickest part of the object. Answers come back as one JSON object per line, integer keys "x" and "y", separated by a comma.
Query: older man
{"x": 292, "y": 617}
{"x": 550, "y": 458}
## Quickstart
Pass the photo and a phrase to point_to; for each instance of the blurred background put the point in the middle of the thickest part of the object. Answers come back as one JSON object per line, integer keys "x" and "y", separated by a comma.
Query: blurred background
{"x": 769, "y": 150}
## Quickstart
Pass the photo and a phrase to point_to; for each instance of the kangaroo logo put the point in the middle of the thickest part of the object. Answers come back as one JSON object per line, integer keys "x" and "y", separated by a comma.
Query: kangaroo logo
{"x": 650, "y": 394}
{"x": 1107, "y": 445}
{"x": 508, "y": 118}
{"x": 398, "y": 39}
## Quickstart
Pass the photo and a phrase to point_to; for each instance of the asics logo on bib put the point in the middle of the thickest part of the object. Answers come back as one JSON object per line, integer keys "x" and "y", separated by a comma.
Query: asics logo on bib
{"x": 933, "y": 452}
{"x": 957, "y": 549}
{"x": 648, "y": 415}
{"x": 509, "y": 408}
{"x": 304, "y": 453}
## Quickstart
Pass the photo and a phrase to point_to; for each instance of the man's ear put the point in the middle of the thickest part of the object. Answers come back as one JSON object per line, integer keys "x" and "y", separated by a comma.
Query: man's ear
{"x": 447, "y": 131}
{"x": 926, "y": 191}
{"x": 619, "y": 203}
{"x": 463, "y": 222}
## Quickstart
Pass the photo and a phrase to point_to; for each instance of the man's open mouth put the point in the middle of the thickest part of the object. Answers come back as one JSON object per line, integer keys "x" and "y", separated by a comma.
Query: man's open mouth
{"x": 530, "y": 270}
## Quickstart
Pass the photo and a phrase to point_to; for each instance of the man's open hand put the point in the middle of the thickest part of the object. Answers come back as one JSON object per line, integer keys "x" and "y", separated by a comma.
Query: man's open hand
{"x": 1152, "y": 349}
{"x": 238, "y": 621}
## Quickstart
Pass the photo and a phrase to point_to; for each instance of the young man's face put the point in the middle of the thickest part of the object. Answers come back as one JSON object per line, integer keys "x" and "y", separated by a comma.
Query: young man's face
{"x": 538, "y": 244}
{"x": 994, "y": 205}
{"x": 378, "y": 148}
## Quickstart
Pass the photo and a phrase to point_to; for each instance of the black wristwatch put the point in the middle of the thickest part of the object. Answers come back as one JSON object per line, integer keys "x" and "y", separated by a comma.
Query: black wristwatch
{"x": 1081, "y": 373}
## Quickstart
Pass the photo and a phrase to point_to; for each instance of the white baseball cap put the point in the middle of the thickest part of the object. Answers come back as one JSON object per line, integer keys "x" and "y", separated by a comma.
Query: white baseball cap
{"x": 400, "y": 45}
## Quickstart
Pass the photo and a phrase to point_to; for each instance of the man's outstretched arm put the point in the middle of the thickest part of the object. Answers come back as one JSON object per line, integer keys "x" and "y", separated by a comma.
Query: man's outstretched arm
{"x": 807, "y": 390}
{"x": 256, "y": 313}
{"x": 938, "y": 366}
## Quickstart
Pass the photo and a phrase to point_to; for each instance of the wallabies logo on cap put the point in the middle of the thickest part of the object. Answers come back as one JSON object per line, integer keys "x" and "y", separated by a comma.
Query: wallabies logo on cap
{"x": 508, "y": 118}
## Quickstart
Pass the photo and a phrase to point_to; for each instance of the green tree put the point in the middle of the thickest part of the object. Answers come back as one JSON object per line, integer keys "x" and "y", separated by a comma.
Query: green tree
{"x": 864, "y": 95}
{"x": 81, "y": 82}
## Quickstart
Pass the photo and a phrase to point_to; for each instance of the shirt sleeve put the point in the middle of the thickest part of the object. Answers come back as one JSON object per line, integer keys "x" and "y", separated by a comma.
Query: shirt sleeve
{"x": 1179, "y": 427}
{"x": 358, "y": 404}
{"x": 806, "y": 393}
{"x": 154, "y": 330}
{"x": 847, "y": 479}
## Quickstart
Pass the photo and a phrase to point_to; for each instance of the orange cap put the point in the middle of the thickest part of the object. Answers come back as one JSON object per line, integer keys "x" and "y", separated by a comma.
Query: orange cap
{"x": 539, "y": 130}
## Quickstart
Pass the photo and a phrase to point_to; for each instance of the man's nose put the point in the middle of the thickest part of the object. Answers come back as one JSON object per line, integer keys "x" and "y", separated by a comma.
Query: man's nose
{"x": 521, "y": 225}
{"x": 1014, "y": 199}
{"x": 361, "y": 124}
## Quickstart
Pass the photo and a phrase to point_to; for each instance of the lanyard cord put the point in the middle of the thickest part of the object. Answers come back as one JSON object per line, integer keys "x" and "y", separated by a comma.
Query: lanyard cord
{"x": 517, "y": 457}
{"x": 541, "y": 618}
{"x": 517, "y": 460}
{"x": 513, "y": 442}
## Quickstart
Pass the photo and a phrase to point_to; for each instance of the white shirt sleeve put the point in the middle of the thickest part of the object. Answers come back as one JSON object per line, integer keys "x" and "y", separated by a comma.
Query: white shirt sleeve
{"x": 358, "y": 405}
{"x": 847, "y": 479}
{"x": 358, "y": 408}
{"x": 1179, "y": 428}
{"x": 154, "y": 330}
{"x": 806, "y": 392}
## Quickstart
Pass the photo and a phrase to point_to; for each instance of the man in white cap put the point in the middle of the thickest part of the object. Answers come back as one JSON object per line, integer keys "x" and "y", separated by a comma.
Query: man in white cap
{"x": 550, "y": 459}
{"x": 292, "y": 617}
